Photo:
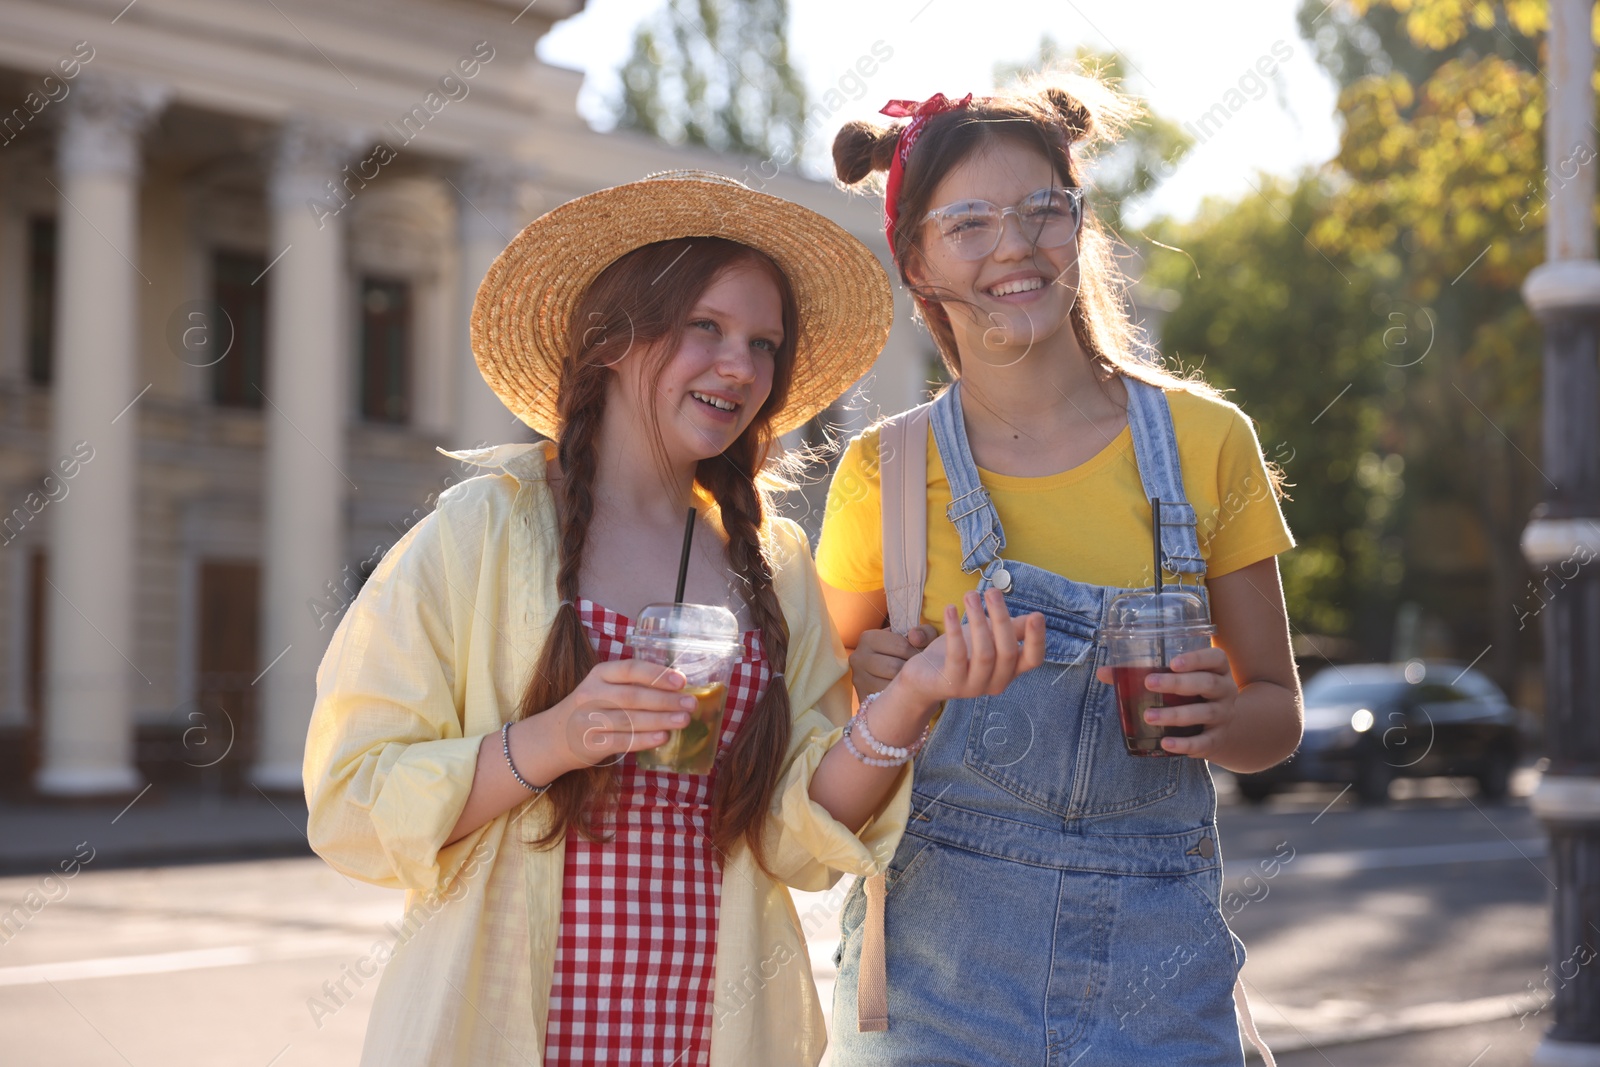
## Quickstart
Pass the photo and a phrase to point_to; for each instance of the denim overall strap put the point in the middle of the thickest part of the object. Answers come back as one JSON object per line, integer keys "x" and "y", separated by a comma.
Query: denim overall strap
{"x": 1155, "y": 447}
{"x": 971, "y": 509}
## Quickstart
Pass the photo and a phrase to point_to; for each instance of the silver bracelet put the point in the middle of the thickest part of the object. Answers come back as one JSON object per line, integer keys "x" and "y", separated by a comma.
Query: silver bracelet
{"x": 889, "y": 751}
{"x": 505, "y": 746}
{"x": 868, "y": 760}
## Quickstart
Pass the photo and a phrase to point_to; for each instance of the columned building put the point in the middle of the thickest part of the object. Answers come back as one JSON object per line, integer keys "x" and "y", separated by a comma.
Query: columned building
{"x": 238, "y": 246}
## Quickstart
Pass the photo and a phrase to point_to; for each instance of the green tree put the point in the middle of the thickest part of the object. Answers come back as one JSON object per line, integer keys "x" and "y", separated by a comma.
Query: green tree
{"x": 1386, "y": 286}
{"x": 715, "y": 73}
{"x": 1292, "y": 332}
{"x": 1441, "y": 188}
{"x": 1366, "y": 38}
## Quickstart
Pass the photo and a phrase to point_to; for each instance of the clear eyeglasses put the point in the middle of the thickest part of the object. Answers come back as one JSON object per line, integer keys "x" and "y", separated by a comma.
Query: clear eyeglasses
{"x": 1048, "y": 218}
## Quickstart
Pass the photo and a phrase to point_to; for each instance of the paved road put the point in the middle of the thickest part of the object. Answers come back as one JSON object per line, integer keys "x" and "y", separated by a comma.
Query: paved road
{"x": 1424, "y": 922}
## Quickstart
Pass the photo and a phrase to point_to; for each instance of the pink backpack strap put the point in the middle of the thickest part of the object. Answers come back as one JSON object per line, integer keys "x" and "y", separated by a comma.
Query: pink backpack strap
{"x": 1247, "y": 1023}
{"x": 903, "y": 479}
{"x": 903, "y": 484}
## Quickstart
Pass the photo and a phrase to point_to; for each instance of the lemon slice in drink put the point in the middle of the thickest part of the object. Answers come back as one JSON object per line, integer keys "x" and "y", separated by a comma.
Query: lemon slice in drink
{"x": 693, "y": 749}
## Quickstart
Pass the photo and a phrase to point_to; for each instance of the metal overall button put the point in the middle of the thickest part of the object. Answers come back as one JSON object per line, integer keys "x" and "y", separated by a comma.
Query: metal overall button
{"x": 999, "y": 577}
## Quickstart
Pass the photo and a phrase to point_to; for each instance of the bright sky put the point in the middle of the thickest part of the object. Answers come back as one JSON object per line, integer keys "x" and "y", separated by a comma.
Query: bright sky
{"x": 1182, "y": 57}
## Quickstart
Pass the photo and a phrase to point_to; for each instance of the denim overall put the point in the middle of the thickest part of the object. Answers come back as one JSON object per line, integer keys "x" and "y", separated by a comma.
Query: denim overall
{"x": 1054, "y": 900}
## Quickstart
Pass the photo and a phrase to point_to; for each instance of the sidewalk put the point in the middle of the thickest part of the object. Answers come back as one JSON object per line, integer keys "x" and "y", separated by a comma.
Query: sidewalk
{"x": 164, "y": 824}
{"x": 1503, "y": 1043}
{"x": 1371, "y": 893}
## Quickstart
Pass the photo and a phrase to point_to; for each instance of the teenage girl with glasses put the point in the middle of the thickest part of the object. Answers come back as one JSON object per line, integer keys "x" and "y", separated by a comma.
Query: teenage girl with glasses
{"x": 1054, "y": 899}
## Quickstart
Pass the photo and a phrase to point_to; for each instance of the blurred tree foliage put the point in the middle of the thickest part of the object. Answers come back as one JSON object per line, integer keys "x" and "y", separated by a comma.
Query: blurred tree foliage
{"x": 715, "y": 73}
{"x": 1444, "y": 156}
{"x": 1395, "y": 271}
{"x": 1292, "y": 332}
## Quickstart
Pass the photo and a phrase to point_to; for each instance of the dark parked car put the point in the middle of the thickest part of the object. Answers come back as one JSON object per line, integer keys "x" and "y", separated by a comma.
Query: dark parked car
{"x": 1369, "y": 724}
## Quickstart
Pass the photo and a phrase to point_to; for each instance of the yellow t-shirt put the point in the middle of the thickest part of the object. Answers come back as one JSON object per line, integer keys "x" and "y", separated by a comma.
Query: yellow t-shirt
{"x": 1090, "y": 523}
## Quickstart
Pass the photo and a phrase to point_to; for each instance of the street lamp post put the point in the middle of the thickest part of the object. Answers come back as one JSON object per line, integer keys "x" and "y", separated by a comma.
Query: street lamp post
{"x": 1564, "y": 534}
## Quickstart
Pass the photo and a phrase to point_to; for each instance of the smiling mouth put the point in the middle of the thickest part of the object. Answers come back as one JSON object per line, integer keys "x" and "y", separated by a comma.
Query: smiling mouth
{"x": 1022, "y": 285}
{"x": 716, "y": 402}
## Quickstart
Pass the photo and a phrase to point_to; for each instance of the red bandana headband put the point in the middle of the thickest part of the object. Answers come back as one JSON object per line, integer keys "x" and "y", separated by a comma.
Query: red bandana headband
{"x": 919, "y": 113}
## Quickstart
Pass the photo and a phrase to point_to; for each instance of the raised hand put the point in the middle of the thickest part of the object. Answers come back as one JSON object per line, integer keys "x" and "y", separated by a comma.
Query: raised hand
{"x": 978, "y": 657}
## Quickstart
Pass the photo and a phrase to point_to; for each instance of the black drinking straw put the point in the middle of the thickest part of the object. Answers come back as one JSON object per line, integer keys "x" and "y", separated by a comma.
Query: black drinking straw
{"x": 1155, "y": 524}
{"x": 683, "y": 560}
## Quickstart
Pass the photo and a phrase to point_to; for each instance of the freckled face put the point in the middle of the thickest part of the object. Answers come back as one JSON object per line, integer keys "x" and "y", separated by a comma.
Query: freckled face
{"x": 721, "y": 373}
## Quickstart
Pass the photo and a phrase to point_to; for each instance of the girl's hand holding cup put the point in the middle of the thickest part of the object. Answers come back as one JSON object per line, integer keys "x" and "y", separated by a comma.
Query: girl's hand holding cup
{"x": 1205, "y": 676}
{"x": 621, "y": 706}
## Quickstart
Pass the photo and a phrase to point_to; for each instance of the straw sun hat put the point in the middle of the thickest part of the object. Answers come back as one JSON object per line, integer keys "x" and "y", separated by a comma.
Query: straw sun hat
{"x": 524, "y": 307}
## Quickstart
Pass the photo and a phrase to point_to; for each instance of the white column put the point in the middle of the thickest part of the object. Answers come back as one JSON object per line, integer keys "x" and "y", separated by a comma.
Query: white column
{"x": 91, "y": 674}
{"x": 306, "y": 411}
{"x": 487, "y": 219}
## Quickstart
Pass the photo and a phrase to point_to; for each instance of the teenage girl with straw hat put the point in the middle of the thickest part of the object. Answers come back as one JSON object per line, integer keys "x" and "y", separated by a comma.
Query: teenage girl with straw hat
{"x": 1053, "y": 900}
{"x": 476, "y": 713}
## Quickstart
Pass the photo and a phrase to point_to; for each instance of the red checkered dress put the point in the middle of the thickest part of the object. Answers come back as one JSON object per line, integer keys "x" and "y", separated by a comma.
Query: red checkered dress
{"x": 638, "y": 946}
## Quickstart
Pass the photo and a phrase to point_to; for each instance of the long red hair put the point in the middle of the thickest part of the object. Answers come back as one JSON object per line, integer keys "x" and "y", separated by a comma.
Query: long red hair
{"x": 635, "y": 310}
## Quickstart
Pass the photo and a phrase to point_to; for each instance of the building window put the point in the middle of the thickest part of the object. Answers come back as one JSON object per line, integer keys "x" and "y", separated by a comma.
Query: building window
{"x": 239, "y": 376}
{"x": 41, "y": 297}
{"x": 230, "y": 620}
{"x": 385, "y": 350}
{"x": 34, "y": 671}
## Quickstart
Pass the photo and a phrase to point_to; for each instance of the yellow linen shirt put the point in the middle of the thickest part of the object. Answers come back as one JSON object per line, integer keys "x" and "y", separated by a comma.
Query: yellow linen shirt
{"x": 432, "y": 656}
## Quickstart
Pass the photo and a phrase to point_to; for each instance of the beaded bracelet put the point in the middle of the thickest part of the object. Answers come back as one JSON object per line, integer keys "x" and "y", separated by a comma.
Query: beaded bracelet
{"x": 868, "y": 760}
{"x": 505, "y": 746}
{"x": 889, "y": 751}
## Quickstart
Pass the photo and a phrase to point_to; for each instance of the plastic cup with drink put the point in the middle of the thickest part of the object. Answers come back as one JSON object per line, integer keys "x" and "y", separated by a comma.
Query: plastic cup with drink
{"x": 1144, "y": 631}
{"x": 701, "y": 641}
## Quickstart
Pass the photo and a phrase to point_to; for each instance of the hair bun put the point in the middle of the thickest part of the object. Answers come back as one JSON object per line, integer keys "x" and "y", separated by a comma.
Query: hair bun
{"x": 860, "y": 148}
{"x": 1075, "y": 114}
{"x": 1087, "y": 106}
